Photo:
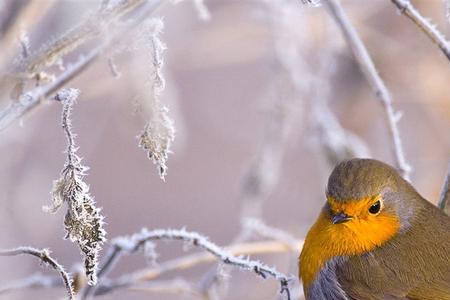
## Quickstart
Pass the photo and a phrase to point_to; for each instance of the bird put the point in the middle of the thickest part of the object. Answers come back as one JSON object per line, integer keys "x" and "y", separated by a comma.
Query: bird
{"x": 376, "y": 238}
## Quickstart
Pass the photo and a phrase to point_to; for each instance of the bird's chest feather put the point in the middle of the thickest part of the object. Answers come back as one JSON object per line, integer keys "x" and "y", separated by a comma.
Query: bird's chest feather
{"x": 326, "y": 242}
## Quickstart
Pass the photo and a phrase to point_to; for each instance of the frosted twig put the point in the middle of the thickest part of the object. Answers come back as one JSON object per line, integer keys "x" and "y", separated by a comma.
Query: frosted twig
{"x": 96, "y": 25}
{"x": 425, "y": 25}
{"x": 367, "y": 67}
{"x": 445, "y": 193}
{"x": 44, "y": 256}
{"x": 151, "y": 273}
{"x": 83, "y": 222}
{"x": 33, "y": 98}
{"x": 135, "y": 242}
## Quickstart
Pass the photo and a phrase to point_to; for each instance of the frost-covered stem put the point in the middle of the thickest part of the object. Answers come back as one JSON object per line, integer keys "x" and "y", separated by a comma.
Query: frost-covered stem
{"x": 368, "y": 68}
{"x": 95, "y": 25}
{"x": 137, "y": 241}
{"x": 44, "y": 256}
{"x": 445, "y": 193}
{"x": 425, "y": 25}
{"x": 33, "y": 98}
{"x": 68, "y": 97}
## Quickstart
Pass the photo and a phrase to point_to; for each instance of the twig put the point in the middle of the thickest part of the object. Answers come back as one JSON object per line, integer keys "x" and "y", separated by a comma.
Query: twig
{"x": 152, "y": 273}
{"x": 445, "y": 193}
{"x": 426, "y": 26}
{"x": 137, "y": 241}
{"x": 96, "y": 25}
{"x": 367, "y": 67}
{"x": 33, "y": 98}
{"x": 44, "y": 255}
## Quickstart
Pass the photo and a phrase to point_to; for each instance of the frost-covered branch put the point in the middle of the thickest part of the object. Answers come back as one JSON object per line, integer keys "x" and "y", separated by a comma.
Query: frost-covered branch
{"x": 34, "y": 97}
{"x": 138, "y": 241}
{"x": 44, "y": 256}
{"x": 83, "y": 222}
{"x": 97, "y": 24}
{"x": 425, "y": 25}
{"x": 368, "y": 68}
{"x": 444, "y": 198}
{"x": 31, "y": 99}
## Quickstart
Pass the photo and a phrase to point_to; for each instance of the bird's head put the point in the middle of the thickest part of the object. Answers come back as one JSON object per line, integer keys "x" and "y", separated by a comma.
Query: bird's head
{"x": 369, "y": 197}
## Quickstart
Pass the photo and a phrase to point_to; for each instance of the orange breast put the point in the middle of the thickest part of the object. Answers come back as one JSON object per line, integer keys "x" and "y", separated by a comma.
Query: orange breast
{"x": 326, "y": 240}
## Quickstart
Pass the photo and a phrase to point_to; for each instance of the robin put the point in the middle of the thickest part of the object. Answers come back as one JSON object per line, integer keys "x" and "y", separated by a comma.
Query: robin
{"x": 376, "y": 238}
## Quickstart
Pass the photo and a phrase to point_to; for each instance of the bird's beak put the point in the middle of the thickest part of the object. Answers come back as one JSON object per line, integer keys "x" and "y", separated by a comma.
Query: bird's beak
{"x": 340, "y": 218}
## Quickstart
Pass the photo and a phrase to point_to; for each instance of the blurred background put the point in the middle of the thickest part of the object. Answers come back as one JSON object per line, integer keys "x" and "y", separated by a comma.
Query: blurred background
{"x": 265, "y": 97}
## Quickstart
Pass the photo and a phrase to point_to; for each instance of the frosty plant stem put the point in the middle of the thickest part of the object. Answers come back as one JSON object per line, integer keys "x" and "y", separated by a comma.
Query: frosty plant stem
{"x": 83, "y": 222}
{"x": 131, "y": 244}
{"x": 44, "y": 256}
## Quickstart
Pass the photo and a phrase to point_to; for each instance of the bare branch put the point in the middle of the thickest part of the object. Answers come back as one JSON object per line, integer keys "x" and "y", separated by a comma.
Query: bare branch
{"x": 445, "y": 194}
{"x": 425, "y": 25}
{"x": 96, "y": 25}
{"x": 33, "y": 98}
{"x": 44, "y": 256}
{"x": 137, "y": 241}
{"x": 368, "y": 68}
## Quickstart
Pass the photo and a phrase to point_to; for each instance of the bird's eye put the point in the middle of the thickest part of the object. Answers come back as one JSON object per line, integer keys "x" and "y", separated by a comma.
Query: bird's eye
{"x": 375, "y": 208}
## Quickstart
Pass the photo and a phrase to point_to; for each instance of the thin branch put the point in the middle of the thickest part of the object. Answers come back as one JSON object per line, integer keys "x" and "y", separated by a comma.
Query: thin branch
{"x": 137, "y": 241}
{"x": 445, "y": 193}
{"x": 96, "y": 25}
{"x": 368, "y": 68}
{"x": 44, "y": 256}
{"x": 426, "y": 26}
{"x": 33, "y": 98}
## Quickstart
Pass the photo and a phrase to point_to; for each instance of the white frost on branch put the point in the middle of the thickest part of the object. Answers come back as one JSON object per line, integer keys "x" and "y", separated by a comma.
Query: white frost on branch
{"x": 159, "y": 132}
{"x": 44, "y": 256}
{"x": 83, "y": 222}
{"x": 135, "y": 242}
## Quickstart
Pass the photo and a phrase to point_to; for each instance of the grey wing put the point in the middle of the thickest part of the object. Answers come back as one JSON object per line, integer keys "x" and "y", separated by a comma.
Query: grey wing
{"x": 326, "y": 286}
